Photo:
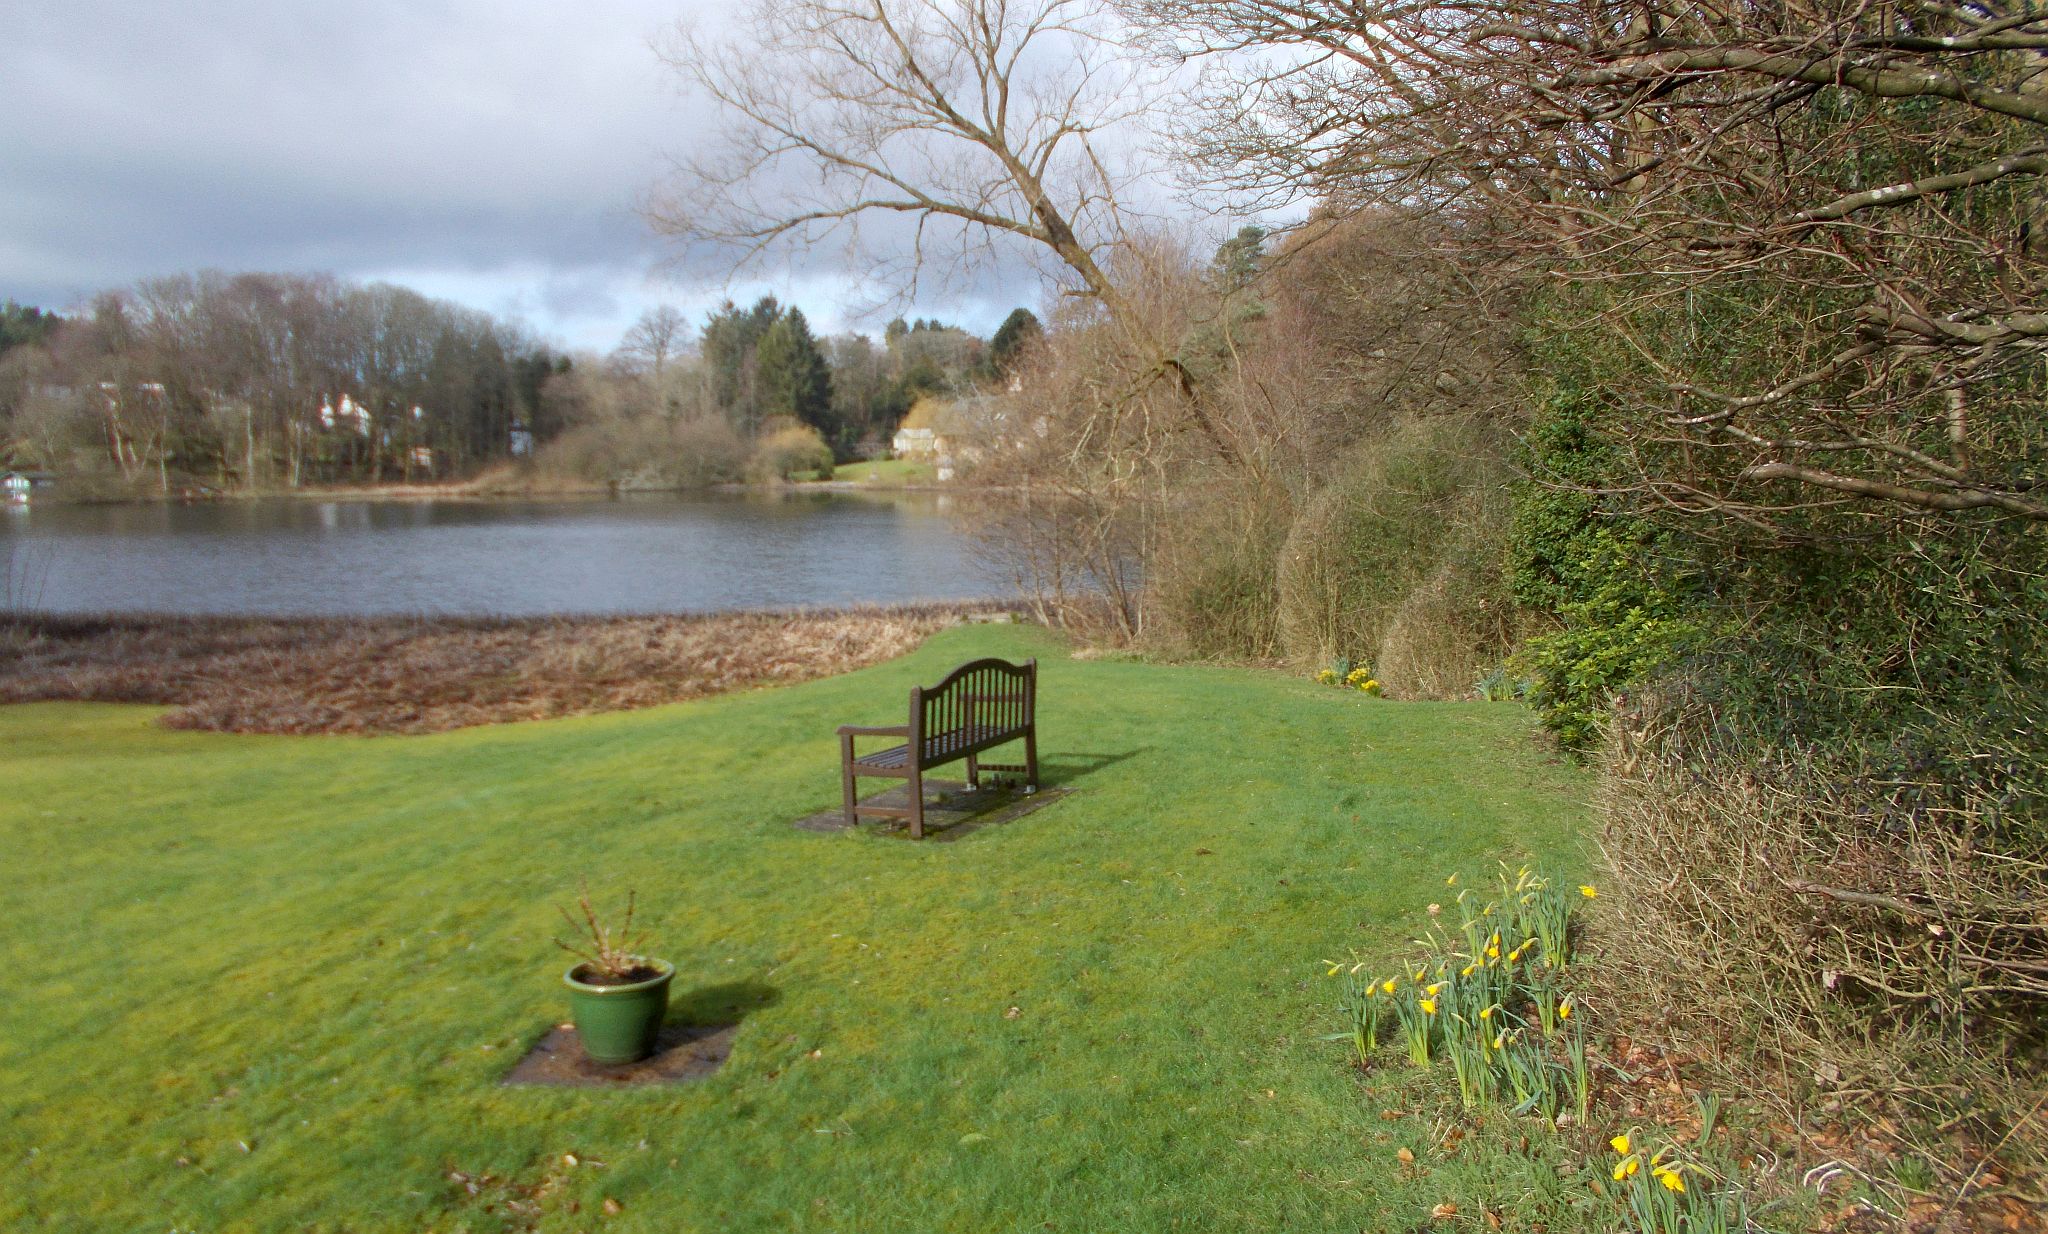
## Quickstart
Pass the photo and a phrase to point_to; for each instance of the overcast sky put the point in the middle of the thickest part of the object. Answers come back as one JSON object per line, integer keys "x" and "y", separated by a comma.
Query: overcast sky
{"x": 489, "y": 153}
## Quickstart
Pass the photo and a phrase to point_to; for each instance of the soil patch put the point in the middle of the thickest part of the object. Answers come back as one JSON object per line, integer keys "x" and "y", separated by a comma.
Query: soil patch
{"x": 422, "y": 675}
{"x": 950, "y": 814}
{"x": 684, "y": 1052}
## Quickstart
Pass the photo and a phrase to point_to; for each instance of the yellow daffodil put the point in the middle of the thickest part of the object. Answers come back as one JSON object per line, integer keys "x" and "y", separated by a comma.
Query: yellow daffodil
{"x": 1564, "y": 1010}
{"x": 1493, "y": 953}
{"x": 1420, "y": 973}
{"x": 1625, "y": 1168}
{"x": 1434, "y": 986}
{"x": 1620, "y": 1143}
{"x": 1499, "y": 1039}
{"x": 1669, "y": 1177}
{"x": 1468, "y": 970}
{"x": 1333, "y": 970}
{"x": 1452, "y": 881}
{"x": 1586, "y": 890}
{"x": 1388, "y": 985}
{"x": 1429, "y": 1006}
{"x": 1486, "y": 1013}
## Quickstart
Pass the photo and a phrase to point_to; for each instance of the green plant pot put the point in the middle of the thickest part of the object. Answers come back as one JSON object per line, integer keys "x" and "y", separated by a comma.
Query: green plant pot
{"x": 618, "y": 1023}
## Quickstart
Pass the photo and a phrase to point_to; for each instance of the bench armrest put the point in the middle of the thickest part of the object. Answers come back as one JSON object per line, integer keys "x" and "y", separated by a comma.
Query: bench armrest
{"x": 857, "y": 730}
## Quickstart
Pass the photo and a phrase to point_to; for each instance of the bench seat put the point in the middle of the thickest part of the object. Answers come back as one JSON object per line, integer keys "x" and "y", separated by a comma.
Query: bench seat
{"x": 978, "y": 706}
{"x": 942, "y": 749}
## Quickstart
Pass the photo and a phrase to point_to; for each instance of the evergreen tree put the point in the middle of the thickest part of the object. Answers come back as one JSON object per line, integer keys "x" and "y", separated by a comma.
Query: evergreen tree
{"x": 732, "y": 336}
{"x": 22, "y": 324}
{"x": 1018, "y": 331}
{"x": 794, "y": 378}
{"x": 1237, "y": 259}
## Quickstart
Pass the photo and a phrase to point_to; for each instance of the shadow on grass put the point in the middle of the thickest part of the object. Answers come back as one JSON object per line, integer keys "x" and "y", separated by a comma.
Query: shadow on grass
{"x": 1068, "y": 766}
{"x": 721, "y": 1005}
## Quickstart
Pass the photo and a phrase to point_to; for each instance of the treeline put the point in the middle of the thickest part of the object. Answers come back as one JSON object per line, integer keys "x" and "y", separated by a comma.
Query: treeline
{"x": 267, "y": 380}
{"x": 262, "y": 381}
{"x": 755, "y": 394}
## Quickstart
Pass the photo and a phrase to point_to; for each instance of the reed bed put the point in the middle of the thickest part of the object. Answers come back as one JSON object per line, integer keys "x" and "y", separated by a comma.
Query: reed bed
{"x": 420, "y": 675}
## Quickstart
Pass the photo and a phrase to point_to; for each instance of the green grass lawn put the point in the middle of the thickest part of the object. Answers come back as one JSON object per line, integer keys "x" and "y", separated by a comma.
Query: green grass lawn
{"x": 260, "y": 983}
{"x": 886, "y": 473}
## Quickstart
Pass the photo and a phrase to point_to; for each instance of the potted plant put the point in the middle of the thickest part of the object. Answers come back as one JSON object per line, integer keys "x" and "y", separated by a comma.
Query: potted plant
{"x": 617, "y": 996}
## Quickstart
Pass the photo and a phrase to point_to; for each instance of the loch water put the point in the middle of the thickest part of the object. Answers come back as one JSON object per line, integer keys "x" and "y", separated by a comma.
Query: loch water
{"x": 635, "y": 554}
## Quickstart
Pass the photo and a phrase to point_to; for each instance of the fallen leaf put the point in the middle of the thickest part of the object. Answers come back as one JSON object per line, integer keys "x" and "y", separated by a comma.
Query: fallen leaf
{"x": 1391, "y": 1115}
{"x": 613, "y": 1208}
{"x": 973, "y": 1137}
{"x": 569, "y": 1159}
{"x": 1443, "y": 1211}
{"x": 1013, "y": 1013}
{"x": 1405, "y": 1157}
{"x": 1492, "y": 1220}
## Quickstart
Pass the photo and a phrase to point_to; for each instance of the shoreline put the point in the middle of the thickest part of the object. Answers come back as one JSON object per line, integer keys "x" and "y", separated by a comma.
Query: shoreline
{"x": 467, "y": 491}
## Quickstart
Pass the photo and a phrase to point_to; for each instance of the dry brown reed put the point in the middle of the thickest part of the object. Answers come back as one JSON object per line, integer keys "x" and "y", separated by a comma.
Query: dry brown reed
{"x": 1820, "y": 948}
{"x": 416, "y": 675}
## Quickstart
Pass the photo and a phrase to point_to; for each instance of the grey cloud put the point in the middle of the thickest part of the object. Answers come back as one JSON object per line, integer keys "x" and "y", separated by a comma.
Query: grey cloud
{"x": 488, "y": 151}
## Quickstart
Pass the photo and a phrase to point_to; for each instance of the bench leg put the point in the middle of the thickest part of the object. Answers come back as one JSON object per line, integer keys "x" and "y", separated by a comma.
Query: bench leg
{"x": 973, "y": 774}
{"x": 916, "y": 802}
{"x": 1031, "y": 759}
{"x": 846, "y": 780}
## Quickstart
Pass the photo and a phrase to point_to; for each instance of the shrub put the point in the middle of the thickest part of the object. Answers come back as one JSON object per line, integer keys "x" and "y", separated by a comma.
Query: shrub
{"x": 1623, "y": 623}
{"x": 648, "y": 451}
{"x": 1826, "y": 911}
{"x": 1413, "y": 513}
{"x": 1211, "y": 585}
{"x": 791, "y": 451}
{"x": 1457, "y": 623}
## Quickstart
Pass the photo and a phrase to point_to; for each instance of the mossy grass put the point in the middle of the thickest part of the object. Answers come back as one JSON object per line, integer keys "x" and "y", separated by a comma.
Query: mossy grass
{"x": 262, "y": 983}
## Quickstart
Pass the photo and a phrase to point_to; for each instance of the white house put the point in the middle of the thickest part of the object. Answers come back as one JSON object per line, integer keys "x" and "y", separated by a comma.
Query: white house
{"x": 16, "y": 486}
{"x": 917, "y": 443}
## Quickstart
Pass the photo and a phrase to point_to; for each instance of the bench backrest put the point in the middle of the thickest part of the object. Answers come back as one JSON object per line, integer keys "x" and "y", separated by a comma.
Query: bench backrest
{"x": 978, "y": 698}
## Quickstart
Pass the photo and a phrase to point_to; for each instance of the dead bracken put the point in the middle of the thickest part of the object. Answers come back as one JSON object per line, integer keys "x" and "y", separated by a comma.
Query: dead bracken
{"x": 422, "y": 675}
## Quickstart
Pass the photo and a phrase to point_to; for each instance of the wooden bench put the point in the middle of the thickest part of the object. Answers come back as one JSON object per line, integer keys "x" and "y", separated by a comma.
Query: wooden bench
{"x": 979, "y": 705}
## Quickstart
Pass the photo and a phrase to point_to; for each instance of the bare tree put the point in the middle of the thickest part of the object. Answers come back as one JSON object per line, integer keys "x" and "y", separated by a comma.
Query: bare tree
{"x": 656, "y": 339}
{"x": 979, "y": 123}
{"x": 1815, "y": 228}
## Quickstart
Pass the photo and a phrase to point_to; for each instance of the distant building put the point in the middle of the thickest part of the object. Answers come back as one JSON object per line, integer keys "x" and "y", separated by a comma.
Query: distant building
{"x": 16, "y": 486}
{"x": 521, "y": 441}
{"x": 958, "y": 434}
{"x": 913, "y": 443}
